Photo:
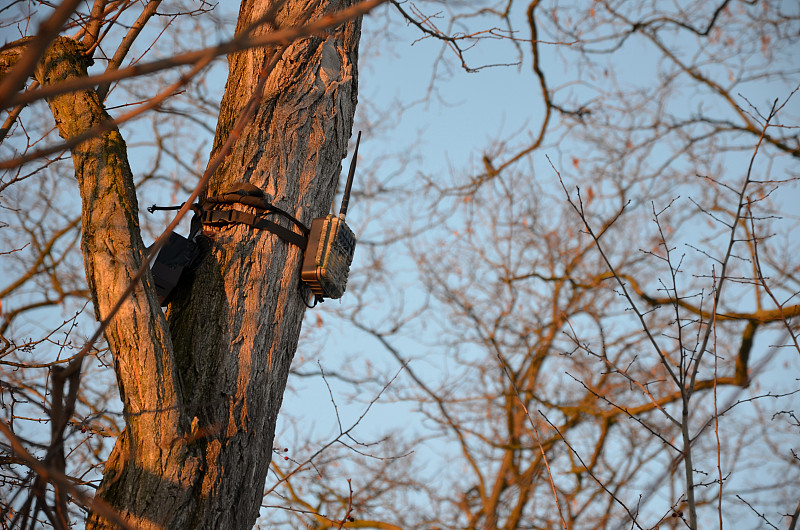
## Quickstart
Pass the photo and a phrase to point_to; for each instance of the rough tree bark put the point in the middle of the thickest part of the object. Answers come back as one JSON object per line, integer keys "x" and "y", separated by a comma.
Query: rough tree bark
{"x": 202, "y": 387}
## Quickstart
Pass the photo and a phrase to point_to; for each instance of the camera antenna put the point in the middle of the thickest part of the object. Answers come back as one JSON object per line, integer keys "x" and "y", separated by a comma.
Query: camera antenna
{"x": 349, "y": 185}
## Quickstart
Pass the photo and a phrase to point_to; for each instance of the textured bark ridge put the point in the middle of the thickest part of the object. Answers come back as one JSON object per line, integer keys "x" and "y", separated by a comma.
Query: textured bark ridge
{"x": 199, "y": 439}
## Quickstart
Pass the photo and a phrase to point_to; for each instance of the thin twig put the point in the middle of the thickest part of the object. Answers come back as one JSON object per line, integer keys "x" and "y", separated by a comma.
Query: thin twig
{"x": 56, "y": 477}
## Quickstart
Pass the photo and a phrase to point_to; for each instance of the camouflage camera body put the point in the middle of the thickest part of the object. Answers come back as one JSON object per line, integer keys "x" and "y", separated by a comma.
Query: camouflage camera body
{"x": 326, "y": 265}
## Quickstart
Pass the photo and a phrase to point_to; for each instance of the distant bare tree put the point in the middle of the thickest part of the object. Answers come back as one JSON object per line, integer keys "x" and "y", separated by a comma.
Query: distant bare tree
{"x": 609, "y": 293}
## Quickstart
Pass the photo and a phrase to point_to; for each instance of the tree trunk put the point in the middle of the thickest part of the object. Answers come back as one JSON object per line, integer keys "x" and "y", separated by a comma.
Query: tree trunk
{"x": 202, "y": 388}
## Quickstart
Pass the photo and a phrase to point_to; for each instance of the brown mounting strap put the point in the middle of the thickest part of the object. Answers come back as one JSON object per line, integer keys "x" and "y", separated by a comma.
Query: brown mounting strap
{"x": 248, "y": 195}
{"x": 221, "y": 218}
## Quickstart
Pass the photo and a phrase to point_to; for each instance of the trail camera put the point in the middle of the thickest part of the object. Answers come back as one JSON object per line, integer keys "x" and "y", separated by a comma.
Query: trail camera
{"x": 329, "y": 244}
{"x": 330, "y": 249}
